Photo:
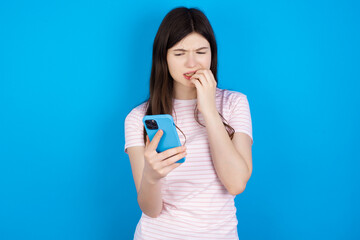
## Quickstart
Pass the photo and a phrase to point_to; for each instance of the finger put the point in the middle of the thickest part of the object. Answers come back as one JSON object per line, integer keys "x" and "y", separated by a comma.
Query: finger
{"x": 156, "y": 139}
{"x": 202, "y": 79}
{"x": 147, "y": 141}
{"x": 208, "y": 75}
{"x": 197, "y": 83}
{"x": 173, "y": 159}
{"x": 171, "y": 152}
{"x": 204, "y": 73}
{"x": 171, "y": 167}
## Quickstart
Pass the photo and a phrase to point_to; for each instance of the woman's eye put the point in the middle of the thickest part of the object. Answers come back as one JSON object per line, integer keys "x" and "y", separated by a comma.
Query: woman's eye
{"x": 179, "y": 54}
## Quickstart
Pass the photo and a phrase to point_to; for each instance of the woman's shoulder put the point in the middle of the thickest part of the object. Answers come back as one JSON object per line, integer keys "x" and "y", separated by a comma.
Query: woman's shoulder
{"x": 138, "y": 111}
{"x": 229, "y": 96}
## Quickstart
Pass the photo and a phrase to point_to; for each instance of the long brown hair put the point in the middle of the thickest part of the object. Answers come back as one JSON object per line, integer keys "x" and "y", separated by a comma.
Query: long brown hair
{"x": 176, "y": 25}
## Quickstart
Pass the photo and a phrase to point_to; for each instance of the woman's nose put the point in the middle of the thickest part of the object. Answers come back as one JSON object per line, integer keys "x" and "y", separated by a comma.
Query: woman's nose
{"x": 191, "y": 60}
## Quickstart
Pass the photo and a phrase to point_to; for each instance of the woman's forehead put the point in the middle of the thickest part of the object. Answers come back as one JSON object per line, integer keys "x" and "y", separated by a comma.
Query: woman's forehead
{"x": 192, "y": 41}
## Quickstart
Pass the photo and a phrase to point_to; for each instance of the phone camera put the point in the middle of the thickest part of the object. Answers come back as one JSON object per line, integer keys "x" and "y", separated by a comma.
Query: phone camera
{"x": 151, "y": 124}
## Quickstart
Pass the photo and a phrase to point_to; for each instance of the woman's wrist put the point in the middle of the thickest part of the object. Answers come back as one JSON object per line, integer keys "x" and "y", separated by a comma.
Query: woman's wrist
{"x": 150, "y": 180}
{"x": 209, "y": 114}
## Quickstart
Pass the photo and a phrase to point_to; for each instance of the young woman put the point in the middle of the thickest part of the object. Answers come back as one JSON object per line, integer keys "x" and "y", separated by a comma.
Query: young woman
{"x": 194, "y": 199}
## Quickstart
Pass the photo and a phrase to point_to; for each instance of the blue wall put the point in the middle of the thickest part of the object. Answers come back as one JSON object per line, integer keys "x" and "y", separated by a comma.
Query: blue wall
{"x": 70, "y": 71}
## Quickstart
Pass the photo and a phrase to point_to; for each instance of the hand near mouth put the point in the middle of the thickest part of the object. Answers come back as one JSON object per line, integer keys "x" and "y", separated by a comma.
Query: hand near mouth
{"x": 205, "y": 84}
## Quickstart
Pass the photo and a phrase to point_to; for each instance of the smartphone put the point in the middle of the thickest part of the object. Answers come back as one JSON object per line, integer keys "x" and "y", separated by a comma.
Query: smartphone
{"x": 170, "y": 137}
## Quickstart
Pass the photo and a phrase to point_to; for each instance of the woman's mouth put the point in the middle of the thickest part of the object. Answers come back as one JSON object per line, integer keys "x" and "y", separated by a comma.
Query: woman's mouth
{"x": 188, "y": 75}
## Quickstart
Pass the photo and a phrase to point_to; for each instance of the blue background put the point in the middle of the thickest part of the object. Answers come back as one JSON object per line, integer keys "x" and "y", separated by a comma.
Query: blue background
{"x": 70, "y": 71}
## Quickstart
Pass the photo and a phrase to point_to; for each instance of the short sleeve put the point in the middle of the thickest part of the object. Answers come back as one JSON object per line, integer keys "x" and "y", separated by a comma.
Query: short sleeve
{"x": 134, "y": 129}
{"x": 240, "y": 117}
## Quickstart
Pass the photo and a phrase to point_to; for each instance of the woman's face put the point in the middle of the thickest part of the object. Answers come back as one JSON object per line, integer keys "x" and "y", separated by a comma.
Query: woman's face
{"x": 186, "y": 57}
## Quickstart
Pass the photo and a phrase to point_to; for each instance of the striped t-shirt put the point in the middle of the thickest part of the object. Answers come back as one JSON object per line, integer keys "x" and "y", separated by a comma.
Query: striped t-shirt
{"x": 196, "y": 205}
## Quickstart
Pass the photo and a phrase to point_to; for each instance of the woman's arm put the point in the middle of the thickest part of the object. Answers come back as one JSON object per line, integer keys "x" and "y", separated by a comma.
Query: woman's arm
{"x": 148, "y": 167}
{"x": 232, "y": 159}
{"x": 148, "y": 193}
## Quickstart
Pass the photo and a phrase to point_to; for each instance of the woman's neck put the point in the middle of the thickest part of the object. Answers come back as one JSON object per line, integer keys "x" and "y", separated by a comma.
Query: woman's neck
{"x": 182, "y": 92}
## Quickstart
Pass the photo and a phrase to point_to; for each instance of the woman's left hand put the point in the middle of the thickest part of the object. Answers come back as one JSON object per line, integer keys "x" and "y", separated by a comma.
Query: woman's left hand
{"x": 205, "y": 84}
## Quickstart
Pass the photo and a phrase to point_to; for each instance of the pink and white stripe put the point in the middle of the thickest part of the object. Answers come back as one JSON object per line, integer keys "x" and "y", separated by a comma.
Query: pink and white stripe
{"x": 196, "y": 204}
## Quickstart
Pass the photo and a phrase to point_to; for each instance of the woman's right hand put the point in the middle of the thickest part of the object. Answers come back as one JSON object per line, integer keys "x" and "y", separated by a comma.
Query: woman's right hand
{"x": 158, "y": 165}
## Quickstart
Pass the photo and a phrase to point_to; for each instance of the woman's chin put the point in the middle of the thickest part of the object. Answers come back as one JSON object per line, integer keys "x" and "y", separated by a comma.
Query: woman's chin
{"x": 186, "y": 83}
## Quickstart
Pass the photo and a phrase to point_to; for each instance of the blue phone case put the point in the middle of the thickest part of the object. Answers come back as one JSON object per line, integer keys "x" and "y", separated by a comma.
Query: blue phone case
{"x": 170, "y": 137}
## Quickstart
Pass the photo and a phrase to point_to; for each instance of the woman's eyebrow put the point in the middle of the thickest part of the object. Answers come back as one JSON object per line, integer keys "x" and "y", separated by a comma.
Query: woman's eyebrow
{"x": 183, "y": 50}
